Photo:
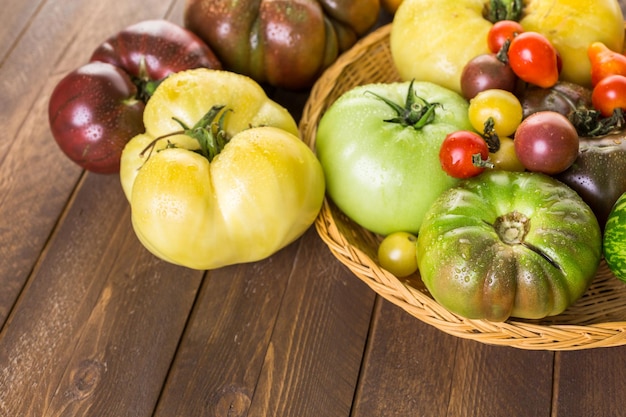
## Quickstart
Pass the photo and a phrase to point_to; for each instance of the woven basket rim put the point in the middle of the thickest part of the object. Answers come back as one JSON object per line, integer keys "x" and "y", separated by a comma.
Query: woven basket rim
{"x": 515, "y": 333}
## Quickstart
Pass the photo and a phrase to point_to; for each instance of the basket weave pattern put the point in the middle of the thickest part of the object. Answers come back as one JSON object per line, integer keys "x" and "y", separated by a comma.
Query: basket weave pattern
{"x": 598, "y": 319}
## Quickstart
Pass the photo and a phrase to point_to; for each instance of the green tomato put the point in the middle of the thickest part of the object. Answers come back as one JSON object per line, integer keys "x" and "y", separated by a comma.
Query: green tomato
{"x": 397, "y": 254}
{"x": 614, "y": 243}
{"x": 509, "y": 244}
{"x": 381, "y": 170}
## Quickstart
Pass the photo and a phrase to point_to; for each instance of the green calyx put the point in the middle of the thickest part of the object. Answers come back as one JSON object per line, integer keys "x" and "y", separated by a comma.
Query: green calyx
{"x": 208, "y": 131}
{"x": 415, "y": 113}
{"x": 498, "y": 10}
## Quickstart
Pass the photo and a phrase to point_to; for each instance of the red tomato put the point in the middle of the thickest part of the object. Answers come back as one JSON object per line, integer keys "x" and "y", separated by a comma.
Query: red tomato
{"x": 609, "y": 94}
{"x": 464, "y": 154}
{"x": 502, "y": 31}
{"x": 534, "y": 59}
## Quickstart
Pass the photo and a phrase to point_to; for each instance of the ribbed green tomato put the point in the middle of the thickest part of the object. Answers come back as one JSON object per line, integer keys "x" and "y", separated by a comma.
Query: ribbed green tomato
{"x": 508, "y": 244}
{"x": 381, "y": 162}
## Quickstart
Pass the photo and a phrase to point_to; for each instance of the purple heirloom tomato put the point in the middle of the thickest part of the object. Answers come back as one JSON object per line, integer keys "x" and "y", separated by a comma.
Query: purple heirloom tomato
{"x": 95, "y": 109}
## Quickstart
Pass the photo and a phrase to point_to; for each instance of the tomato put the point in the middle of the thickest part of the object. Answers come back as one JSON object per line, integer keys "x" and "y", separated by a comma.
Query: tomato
{"x": 533, "y": 59}
{"x": 570, "y": 25}
{"x": 397, "y": 254}
{"x": 508, "y": 244}
{"x": 502, "y": 32}
{"x": 503, "y": 107}
{"x": 282, "y": 43}
{"x": 598, "y": 174}
{"x": 609, "y": 94}
{"x": 95, "y": 109}
{"x": 605, "y": 62}
{"x": 614, "y": 240}
{"x": 153, "y": 49}
{"x": 381, "y": 162}
{"x": 505, "y": 157}
{"x": 564, "y": 97}
{"x": 486, "y": 72}
{"x": 463, "y": 154}
{"x": 220, "y": 176}
{"x": 546, "y": 142}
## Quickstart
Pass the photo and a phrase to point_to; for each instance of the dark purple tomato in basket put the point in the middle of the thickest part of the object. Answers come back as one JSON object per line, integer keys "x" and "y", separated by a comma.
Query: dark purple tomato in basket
{"x": 97, "y": 108}
{"x": 599, "y": 173}
{"x": 486, "y": 72}
{"x": 546, "y": 142}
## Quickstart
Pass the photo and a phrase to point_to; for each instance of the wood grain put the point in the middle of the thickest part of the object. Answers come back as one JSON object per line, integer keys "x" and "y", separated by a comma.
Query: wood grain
{"x": 91, "y": 324}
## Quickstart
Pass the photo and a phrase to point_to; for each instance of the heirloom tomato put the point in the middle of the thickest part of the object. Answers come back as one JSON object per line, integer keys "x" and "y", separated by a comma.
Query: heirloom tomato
{"x": 609, "y": 94}
{"x": 396, "y": 253}
{"x": 534, "y": 59}
{"x": 379, "y": 147}
{"x": 614, "y": 240}
{"x": 570, "y": 25}
{"x": 220, "y": 176}
{"x": 598, "y": 174}
{"x": 283, "y": 43}
{"x": 95, "y": 109}
{"x": 464, "y": 154}
{"x": 508, "y": 244}
{"x": 546, "y": 142}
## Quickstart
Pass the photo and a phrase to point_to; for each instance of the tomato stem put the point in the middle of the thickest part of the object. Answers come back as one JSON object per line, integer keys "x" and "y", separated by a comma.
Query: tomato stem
{"x": 504, "y": 10}
{"x": 209, "y": 133}
{"x": 416, "y": 112}
{"x": 512, "y": 227}
{"x": 479, "y": 162}
{"x": 590, "y": 123}
{"x": 490, "y": 135}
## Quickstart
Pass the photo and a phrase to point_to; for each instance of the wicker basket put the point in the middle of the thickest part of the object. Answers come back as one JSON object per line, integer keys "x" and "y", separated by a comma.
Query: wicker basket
{"x": 598, "y": 319}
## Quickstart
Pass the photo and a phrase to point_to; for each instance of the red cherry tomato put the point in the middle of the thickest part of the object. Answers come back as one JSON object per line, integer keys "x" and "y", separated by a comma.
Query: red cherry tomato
{"x": 609, "y": 94}
{"x": 502, "y": 31}
{"x": 463, "y": 154}
{"x": 534, "y": 59}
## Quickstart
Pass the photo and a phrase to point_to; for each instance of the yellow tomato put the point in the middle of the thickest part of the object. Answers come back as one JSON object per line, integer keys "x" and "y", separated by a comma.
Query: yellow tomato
{"x": 432, "y": 41}
{"x": 502, "y": 107}
{"x": 202, "y": 203}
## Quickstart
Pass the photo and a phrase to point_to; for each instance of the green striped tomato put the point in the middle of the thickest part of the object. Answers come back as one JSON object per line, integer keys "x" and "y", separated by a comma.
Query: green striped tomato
{"x": 614, "y": 242}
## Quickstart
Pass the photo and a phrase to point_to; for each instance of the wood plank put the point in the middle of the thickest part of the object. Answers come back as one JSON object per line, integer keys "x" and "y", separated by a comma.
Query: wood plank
{"x": 412, "y": 368}
{"x": 312, "y": 365}
{"x": 36, "y": 176}
{"x": 220, "y": 357}
{"x": 15, "y": 16}
{"x": 96, "y": 307}
{"x": 590, "y": 382}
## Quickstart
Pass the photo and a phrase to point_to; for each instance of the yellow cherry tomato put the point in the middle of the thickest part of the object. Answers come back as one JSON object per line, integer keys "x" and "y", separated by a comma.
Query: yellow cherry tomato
{"x": 505, "y": 158}
{"x": 501, "y": 106}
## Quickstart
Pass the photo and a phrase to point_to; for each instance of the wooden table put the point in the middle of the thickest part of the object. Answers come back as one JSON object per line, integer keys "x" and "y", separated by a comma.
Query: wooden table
{"x": 92, "y": 324}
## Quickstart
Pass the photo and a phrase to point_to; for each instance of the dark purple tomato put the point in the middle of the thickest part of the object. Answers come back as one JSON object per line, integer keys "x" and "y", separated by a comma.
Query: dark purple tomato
{"x": 93, "y": 111}
{"x": 546, "y": 142}
{"x": 154, "y": 49}
{"x": 486, "y": 72}
{"x": 96, "y": 109}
